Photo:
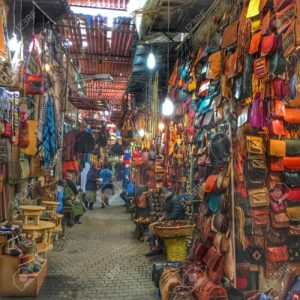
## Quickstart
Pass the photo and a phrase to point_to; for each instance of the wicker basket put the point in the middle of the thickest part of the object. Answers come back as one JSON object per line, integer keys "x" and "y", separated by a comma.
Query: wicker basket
{"x": 171, "y": 229}
{"x": 175, "y": 248}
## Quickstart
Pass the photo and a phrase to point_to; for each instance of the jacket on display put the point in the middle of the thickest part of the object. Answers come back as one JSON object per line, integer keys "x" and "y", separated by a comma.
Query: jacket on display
{"x": 84, "y": 142}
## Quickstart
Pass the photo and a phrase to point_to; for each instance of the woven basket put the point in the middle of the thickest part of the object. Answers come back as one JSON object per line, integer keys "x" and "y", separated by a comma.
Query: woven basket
{"x": 174, "y": 229}
{"x": 175, "y": 248}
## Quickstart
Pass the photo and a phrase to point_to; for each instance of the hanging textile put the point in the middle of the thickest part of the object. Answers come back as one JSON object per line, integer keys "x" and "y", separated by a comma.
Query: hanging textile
{"x": 49, "y": 138}
{"x": 155, "y": 107}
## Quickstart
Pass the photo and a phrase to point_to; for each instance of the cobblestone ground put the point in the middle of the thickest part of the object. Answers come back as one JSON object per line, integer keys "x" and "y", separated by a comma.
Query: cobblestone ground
{"x": 100, "y": 259}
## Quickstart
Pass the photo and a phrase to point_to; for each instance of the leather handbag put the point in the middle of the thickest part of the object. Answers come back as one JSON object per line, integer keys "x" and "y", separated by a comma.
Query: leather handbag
{"x": 293, "y": 194}
{"x": 211, "y": 183}
{"x": 257, "y": 116}
{"x": 277, "y": 63}
{"x": 292, "y": 115}
{"x": 277, "y": 254}
{"x": 278, "y": 108}
{"x": 203, "y": 89}
{"x": 277, "y": 127}
{"x": 277, "y": 148}
{"x": 277, "y": 164}
{"x": 276, "y": 237}
{"x": 211, "y": 257}
{"x": 169, "y": 280}
{"x": 260, "y": 67}
{"x": 292, "y": 179}
{"x": 33, "y": 83}
{"x": 229, "y": 36}
{"x": 258, "y": 197}
{"x": 291, "y": 163}
{"x": 294, "y": 229}
{"x": 205, "y": 289}
{"x": 231, "y": 67}
{"x": 274, "y": 180}
{"x": 260, "y": 216}
{"x": 277, "y": 206}
{"x": 293, "y": 213}
{"x": 285, "y": 17}
{"x": 254, "y": 145}
{"x": 214, "y": 66}
{"x": 255, "y": 43}
{"x": 280, "y": 88}
{"x": 269, "y": 44}
{"x": 280, "y": 220}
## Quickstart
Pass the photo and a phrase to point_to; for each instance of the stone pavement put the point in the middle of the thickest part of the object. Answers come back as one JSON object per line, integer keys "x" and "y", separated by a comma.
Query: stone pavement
{"x": 100, "y": 259}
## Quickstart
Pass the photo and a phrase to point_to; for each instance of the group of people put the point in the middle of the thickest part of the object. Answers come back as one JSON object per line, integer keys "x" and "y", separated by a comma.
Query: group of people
{"x": 69, "y": 195}
{"x": 98, "y": 180}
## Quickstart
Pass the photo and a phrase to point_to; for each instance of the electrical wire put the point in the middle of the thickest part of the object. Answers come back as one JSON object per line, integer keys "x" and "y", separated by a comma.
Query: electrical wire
{"x": 14, "y": 16}
{"x": 168, "y": 54}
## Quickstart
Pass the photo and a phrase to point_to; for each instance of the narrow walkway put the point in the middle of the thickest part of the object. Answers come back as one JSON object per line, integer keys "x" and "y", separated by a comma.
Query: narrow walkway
{"x": 100, "y": 259}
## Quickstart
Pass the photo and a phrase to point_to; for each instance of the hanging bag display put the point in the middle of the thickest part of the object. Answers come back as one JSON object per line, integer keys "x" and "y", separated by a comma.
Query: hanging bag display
{"x": 33, "y": 83}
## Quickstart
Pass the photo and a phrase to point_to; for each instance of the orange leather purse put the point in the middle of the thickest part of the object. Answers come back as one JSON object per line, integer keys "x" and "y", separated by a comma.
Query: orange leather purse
{"x": 277, "y": 148}
{"x": 291, "y": 163}
{"x": 214, "y": 66}
{"x": 255, "y": 43}
{"x": 276, "y": 164}
{"x": 292, "y": 115}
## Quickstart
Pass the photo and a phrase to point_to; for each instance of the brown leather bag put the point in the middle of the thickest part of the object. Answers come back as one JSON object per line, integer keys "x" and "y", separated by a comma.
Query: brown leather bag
{"x": 205, "y": 289}
{"x": 214, "y": 66}
{"x": 231, "y": 67}
{"x": 260, "y": 216}
{"x": 280, "y": 220}
{"x": 277, "y": 254}
{"x": 229, "y": 36}
{"x": 169, "y": 280}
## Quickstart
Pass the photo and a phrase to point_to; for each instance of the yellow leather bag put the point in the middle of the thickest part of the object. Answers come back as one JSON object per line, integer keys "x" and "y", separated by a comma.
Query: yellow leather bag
{"x": 258, "y": 197}
{"x": 277, "y": 148}
{"x": 293, "y": 213}
{"x": 255, "y": 145}
{"x": 253, "y": 8}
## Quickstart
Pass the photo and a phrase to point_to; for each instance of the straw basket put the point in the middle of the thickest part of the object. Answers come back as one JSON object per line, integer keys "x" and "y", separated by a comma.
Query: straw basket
{"x": 172, "y": 229}
{"x": 174, "y": 235}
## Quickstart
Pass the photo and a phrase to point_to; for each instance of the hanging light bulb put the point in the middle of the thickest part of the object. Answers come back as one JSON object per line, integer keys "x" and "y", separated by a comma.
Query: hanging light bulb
{"x": 161, "y": 126}
{"x": 13, "y": 43}
{"x": 47, "y": 67}
{"x": 151, "y": 61}
{"x": 142, "y": 132}
{"x": 167, "y": 107}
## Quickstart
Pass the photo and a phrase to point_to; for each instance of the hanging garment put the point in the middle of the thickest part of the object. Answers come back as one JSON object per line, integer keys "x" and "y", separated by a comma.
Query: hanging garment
{"x": 84, "y": 142}
{"x": 71, "y": 165}
{"x": 49, "y": 139}
{"x": 69, "y": 145}
{"x": 83, "y": 177}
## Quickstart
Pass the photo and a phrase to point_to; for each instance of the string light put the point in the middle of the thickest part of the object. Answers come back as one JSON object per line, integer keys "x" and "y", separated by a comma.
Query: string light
{"x": 161, "y": 126}
{"x": 151, "y": 61}
{"x": 142, "y": 132}
{"x": 167, "y": 107}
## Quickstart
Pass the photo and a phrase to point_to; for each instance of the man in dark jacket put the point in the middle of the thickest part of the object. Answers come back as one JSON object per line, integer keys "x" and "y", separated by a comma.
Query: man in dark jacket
{"x": 91, "y": 187}
{"x": 173, "y": 210}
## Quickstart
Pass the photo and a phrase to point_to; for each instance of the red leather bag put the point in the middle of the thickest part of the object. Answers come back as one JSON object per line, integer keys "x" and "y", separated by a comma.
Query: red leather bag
{"x": 291, "y": 163}
{"x": 211, "y": 183}
{"x": 280, "y": 88}
{"x": 277, "y": 254}
{"x": 269, "y": 44}
{"x": 277, "y": 164}
{"x": 277, "y": 127}
{"x": 293, "y": 194}
{"x": 255, "y": 43}
{"x": 277, "y": 207}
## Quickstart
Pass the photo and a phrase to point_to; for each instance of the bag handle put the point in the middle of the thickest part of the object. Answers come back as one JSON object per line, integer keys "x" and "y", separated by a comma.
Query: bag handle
{"x": 34, "y": 49}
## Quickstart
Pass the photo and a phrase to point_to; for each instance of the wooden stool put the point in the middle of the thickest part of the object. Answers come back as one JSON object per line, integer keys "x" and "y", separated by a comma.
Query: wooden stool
{"x": 32, "y": 212}
{"x": 50, "y": 205}
{"x": 43, "y": 230}
{"x": 68, "y": 211}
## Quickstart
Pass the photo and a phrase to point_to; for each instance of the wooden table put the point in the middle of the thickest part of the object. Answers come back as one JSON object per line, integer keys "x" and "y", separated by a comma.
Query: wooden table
{"x": 32, "y": 212}
{"x": 50, "y": 205}
{"x": 45, "y": 230}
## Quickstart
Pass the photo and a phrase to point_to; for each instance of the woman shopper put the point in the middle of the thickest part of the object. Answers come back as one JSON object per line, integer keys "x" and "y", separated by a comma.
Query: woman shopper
{"x": 91, "y": 187}
{"x": 106, "y": 176}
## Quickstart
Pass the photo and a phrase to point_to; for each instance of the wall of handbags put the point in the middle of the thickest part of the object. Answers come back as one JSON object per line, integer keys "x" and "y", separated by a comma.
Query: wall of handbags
{"x": 238, "y": 102}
